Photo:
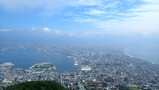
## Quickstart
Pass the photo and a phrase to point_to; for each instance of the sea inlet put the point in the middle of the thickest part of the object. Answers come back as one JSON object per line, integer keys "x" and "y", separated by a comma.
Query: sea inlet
{"x": 25, "y": 58}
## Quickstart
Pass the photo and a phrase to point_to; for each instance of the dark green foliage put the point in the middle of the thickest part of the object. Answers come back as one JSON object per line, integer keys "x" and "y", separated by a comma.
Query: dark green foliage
{"x": 126, "y": 88}
{"x": 37, "y": 85}
{"x": 123, "y": 88}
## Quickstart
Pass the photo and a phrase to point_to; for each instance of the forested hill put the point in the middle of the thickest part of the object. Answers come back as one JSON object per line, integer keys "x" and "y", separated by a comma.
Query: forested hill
{"x": 37, "y": 85}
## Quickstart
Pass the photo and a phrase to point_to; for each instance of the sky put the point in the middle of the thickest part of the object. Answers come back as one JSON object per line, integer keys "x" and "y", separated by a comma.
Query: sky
{"x": 81, "y": 17}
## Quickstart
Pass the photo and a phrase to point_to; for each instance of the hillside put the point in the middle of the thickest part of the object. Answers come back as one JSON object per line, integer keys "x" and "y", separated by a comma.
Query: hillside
{"x": 37, "y": 85}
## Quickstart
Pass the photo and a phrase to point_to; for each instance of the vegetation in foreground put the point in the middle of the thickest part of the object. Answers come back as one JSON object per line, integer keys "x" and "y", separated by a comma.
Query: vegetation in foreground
{"x": 37, "y": 85}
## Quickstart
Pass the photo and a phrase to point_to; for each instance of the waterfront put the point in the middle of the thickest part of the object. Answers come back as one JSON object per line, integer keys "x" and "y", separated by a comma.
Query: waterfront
{"x": 145, "y": 52}
{"x": 108, "y": 67}
{"x": 25, "y": 58}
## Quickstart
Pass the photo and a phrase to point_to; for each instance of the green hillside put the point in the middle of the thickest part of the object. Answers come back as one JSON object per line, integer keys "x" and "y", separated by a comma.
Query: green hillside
{"x": 37, "y": 85}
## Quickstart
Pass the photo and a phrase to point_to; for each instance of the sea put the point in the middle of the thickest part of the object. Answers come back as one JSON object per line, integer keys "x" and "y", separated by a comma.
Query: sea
{"x": 25, "y": 58}
{"x": 149, "y": 52}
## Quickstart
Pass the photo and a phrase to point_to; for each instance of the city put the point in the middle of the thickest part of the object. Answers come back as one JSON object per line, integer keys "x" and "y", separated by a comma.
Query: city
{"x": 99, "y": 68}
{"x": 79, "y": 44}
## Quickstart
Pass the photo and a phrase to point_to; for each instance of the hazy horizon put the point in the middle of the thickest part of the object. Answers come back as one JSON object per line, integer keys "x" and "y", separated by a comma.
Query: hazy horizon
{"x": 121, "y": 23}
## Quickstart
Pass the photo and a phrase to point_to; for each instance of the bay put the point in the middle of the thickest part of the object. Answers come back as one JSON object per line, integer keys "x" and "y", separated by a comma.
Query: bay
{"x": 25, "y": 58}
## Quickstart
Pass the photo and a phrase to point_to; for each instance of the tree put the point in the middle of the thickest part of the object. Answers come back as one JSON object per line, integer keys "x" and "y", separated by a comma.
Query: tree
{"x": 37, "y": 85}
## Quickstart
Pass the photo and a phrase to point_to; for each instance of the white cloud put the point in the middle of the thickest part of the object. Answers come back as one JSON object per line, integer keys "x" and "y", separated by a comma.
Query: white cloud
{"x": 23, "y": 5}
{"x": 144, "y": 22}
{"x": 111, "y": 5}
{"x": 33, "y": 29}
{"x": 55, "y": 31}
{"x": 95, "y": 12}
{"x": 58, "y": 32}
{"x": 144, "y": 19}
{"x": 144, "y": 8}
{"x": 84, "y": 20}
{"x": 6, "y": 30}
{"x": 46, "y": 29}
{"x": 151, "y": 1}
{"x": 86, "y": 2}
{"x": 46, "y": 5}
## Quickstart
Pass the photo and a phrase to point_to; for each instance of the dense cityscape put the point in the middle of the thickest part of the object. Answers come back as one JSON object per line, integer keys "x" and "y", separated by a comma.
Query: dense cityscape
{"x": 98, "y": 69}
{"x": 79, "y": 44}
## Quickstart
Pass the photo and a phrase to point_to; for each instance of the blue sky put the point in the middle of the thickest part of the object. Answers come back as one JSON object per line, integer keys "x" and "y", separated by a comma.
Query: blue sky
{"x": 81, "y": 17}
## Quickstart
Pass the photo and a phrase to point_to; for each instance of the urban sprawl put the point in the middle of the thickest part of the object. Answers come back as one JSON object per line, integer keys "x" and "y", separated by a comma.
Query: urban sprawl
{"x": 99, "y": 69}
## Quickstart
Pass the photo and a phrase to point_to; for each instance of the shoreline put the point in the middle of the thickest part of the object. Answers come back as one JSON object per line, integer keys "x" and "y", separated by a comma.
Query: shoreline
{"x": 125, "y": 51}
{"x": 34, "y": 57}
{"x": 75, "y": 60}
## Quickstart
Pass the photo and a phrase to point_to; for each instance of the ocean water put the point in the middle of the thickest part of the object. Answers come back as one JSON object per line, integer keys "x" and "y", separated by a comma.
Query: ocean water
{"x": 24, "y": 58}
{"x": 149, "y": 52}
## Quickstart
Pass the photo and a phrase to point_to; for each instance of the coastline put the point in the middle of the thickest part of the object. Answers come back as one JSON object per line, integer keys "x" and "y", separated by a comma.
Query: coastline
{"x": 32, "y": 57}
{"x": 75, "y": 60}
{"x": 126, "y": 52}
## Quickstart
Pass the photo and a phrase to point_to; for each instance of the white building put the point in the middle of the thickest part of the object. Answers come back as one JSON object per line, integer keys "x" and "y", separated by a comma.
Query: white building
{"x": 86, "y": 68}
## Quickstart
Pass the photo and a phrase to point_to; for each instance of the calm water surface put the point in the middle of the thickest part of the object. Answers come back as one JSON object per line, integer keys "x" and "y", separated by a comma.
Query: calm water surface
{"x": 23, "y": 58}
{"x": 146, "y": 52}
